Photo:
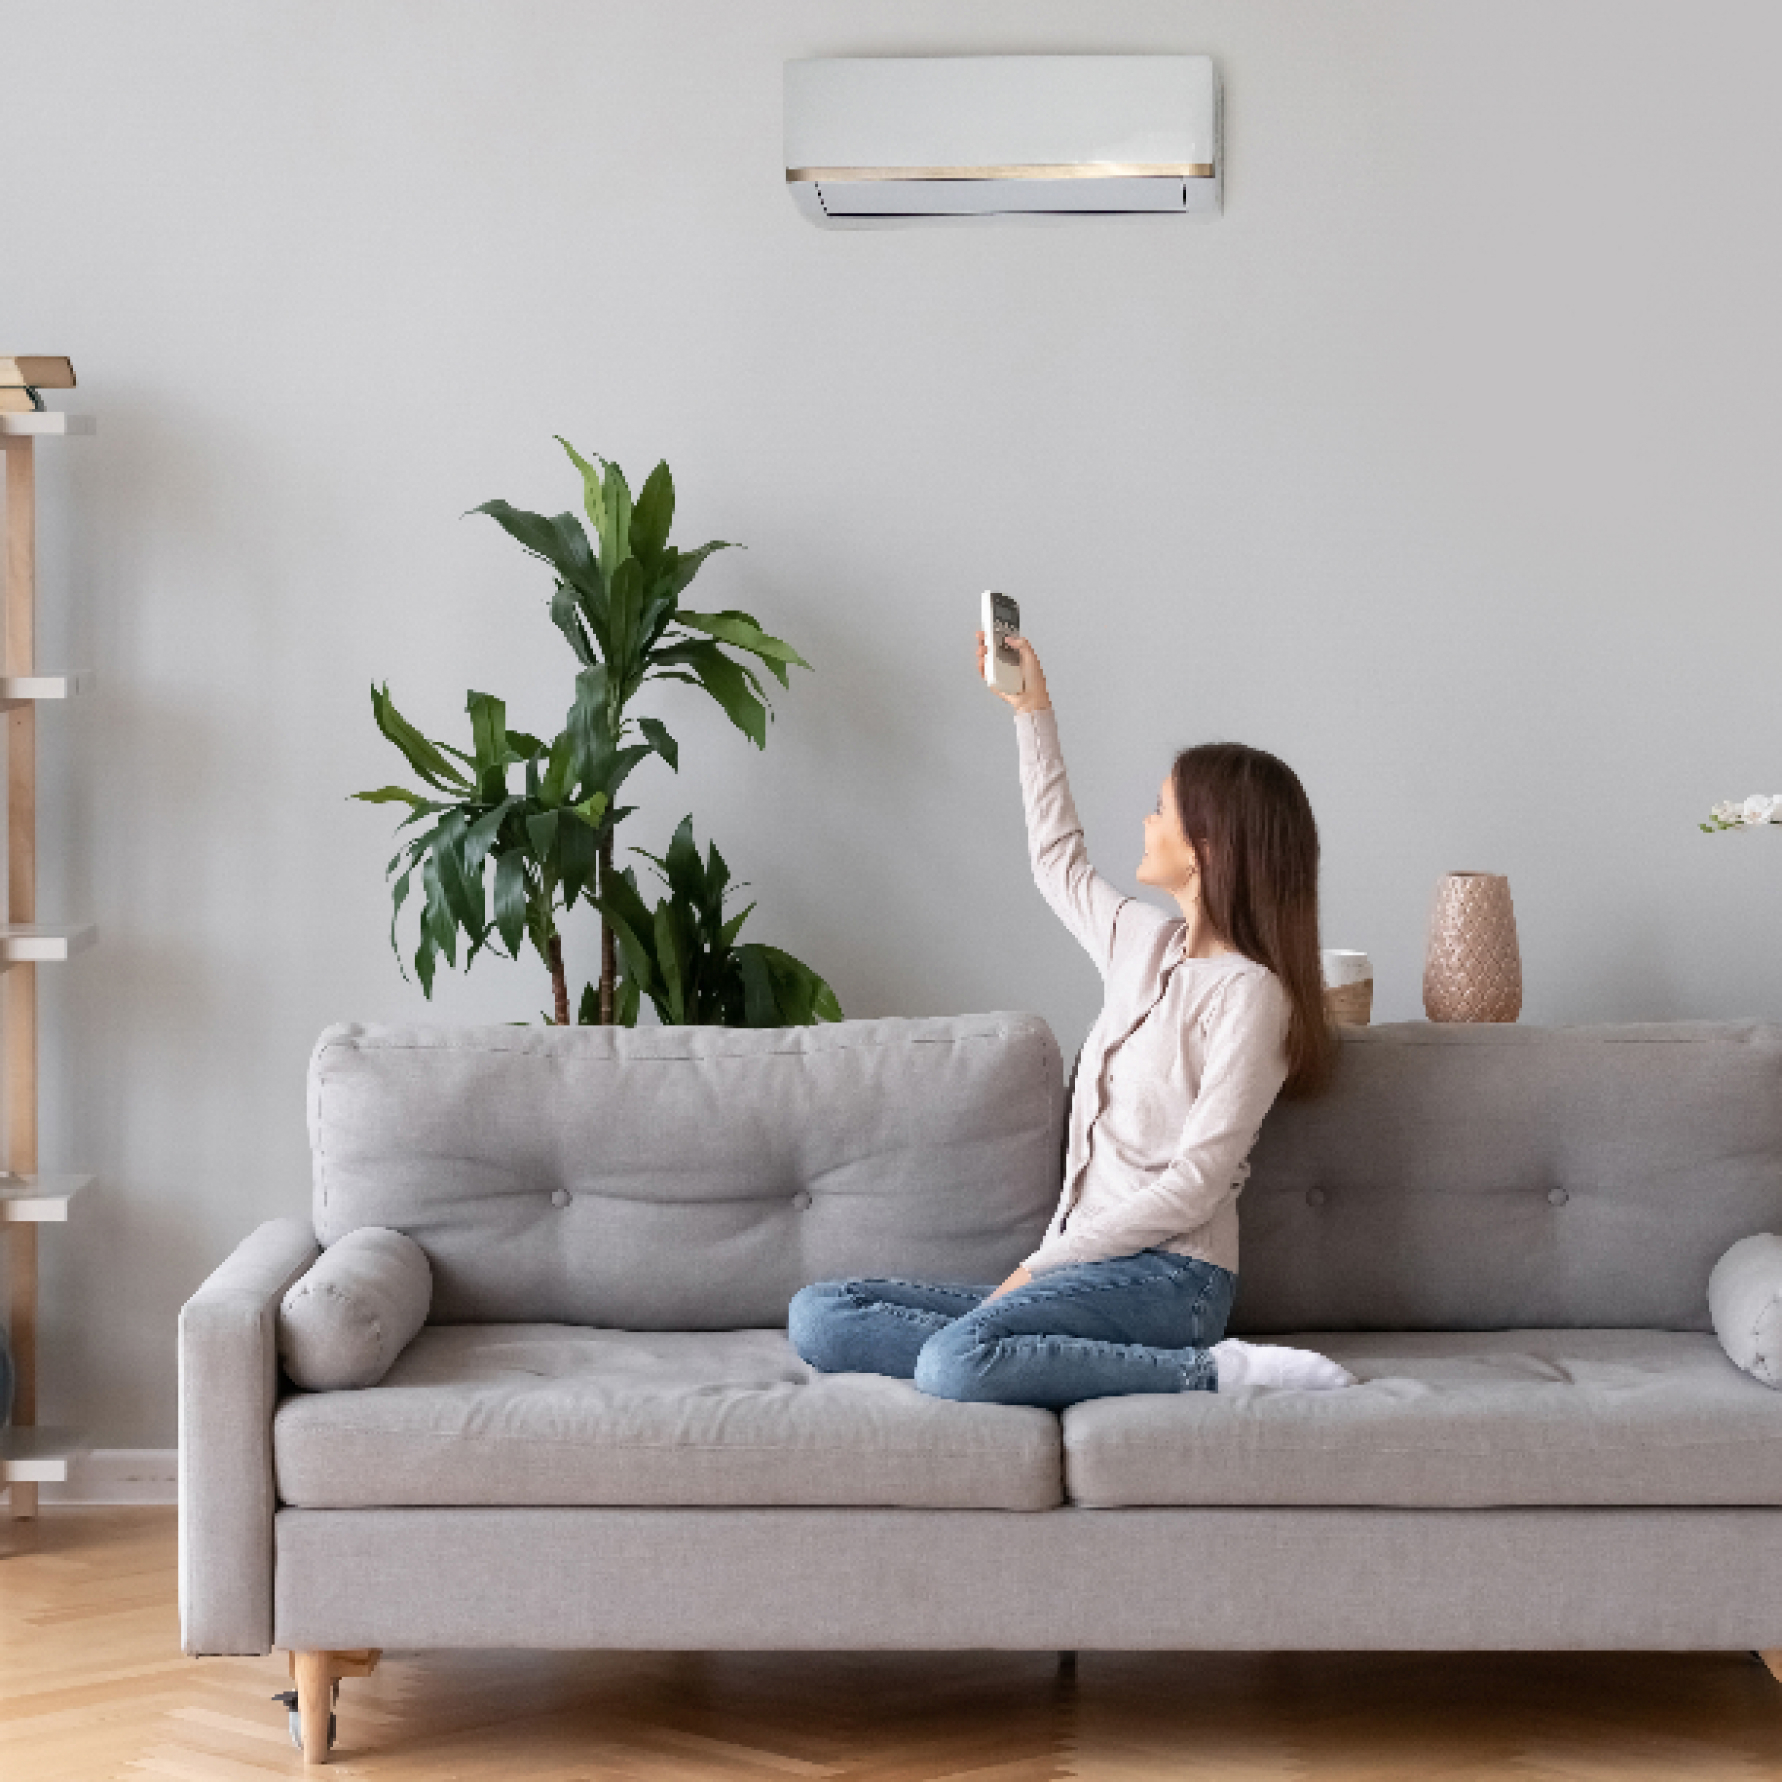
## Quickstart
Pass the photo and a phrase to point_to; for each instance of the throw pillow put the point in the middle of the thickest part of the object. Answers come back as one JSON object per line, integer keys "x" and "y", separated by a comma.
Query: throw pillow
{"x": 1745, "y": 1302}
{"x": 348, "y": 1319}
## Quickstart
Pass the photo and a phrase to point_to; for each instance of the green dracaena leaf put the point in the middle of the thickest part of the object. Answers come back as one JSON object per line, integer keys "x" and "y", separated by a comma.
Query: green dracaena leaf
{"x": 686, "y": 875}
{"x": 680, "y": 567}
{"x": 482, "y": 835}
{"x": 398, "y": 897}
{"x": 462, "y": 889}
{"x": 761, "y": 1007}
{"x": 558, "y": 540}
{"x": 728, "y": 933}
{"x": 600, "y": 766}
{"x": 566, "y": 615}
{"x": 608, "y": 501}
{"x": 742, "y": 631}
{"x": 668, "y": 962}
{"x": 628, "y": 937}
{"x": 488, "y": 738}
{"x": 817, "y": 999}
{"x": 653, "y": 515}
{"x": 590, "y": 720}
{"x": 541, "y": 832}
{"x": 510, "y": 901}
{"x": 624, "y": 641}
{"x": 578, "y": 858}
{"x": 437, "y": 921}
{"x": 425, "y": 757}
{"x": 424, "y": 962}
{"x": 624, "y": 912}
{"x": 418, "y": 806}
{"x": 593, "y": 488}
{"x": 661, "y": 741}
{"x": 616, "y": 769}
{"x": 626, "y": 1003}
{"x": 728, "y": 683}
{"x": 554, "y": 783}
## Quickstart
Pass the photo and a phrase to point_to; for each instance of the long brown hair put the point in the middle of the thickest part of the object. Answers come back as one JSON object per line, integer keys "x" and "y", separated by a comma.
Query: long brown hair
{"x": 1253, "y": 832}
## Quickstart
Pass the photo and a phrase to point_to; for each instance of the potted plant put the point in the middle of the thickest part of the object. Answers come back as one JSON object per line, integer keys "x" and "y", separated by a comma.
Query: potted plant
{"x": 617, "y": 600}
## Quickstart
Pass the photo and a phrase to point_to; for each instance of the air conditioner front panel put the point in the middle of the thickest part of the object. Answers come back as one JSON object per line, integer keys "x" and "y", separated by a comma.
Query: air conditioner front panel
{"x": 998, "y": 197}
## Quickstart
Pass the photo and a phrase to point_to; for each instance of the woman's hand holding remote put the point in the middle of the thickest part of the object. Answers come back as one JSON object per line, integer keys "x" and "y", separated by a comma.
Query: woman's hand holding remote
{"x": 1033, "y": 696}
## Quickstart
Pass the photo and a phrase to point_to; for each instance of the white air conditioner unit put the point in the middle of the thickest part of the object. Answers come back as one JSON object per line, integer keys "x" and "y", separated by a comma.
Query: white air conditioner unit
{"x": 872, "y": 141}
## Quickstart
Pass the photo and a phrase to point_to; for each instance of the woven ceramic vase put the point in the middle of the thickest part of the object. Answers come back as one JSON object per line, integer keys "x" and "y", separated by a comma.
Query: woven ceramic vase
{"x": 1473, "y": 969}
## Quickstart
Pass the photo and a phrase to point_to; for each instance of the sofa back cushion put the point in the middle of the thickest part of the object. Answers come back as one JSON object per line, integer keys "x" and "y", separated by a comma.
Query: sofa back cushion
{"x": 688, "y": 1178}
{"x": 1492, "y": 1178}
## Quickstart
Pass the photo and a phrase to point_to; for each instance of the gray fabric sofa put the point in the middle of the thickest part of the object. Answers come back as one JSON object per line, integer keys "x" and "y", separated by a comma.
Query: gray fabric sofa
{"x": 602, "y": 1438}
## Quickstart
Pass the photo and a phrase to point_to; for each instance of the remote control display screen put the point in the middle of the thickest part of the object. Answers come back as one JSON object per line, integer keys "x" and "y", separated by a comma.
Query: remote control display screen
{"x": 1007, "y": 618}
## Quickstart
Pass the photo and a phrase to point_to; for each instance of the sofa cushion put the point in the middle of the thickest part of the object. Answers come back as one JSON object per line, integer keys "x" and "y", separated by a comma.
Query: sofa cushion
{"x": 561, "y": 1414}
{"x": 688, "y": 1178}
{"x": 1555, "y": 1417}
{"x": 1494, "y": 1177}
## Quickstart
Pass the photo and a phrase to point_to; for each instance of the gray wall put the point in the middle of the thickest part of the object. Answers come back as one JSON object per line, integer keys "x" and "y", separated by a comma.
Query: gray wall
{"x": 1444, "y": 464}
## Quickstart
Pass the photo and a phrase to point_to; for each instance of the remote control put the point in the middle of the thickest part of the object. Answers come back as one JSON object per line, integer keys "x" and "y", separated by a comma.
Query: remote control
{"x": 1002, "y": 667}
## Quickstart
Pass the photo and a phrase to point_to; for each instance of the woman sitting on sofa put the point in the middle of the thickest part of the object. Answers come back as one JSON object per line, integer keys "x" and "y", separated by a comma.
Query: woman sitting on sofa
{"x": 1207, "y": 1018}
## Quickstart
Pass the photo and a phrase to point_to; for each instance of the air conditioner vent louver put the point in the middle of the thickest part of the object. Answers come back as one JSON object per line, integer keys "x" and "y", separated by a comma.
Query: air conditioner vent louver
{"x": 874, "y": 141}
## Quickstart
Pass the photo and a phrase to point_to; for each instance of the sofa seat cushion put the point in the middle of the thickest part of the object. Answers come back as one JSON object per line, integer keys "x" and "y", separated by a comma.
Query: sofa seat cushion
{"x": 564, "y": 1414}
{"x": 1553, "y": 1417}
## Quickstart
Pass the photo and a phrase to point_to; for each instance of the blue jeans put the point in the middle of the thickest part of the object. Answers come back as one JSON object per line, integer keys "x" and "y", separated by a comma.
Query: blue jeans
{"x": 1139, "y": 1323}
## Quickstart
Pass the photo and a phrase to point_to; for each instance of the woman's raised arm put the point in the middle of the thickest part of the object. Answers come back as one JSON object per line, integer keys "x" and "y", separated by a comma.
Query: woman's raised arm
{"x": 1083, "y": 900}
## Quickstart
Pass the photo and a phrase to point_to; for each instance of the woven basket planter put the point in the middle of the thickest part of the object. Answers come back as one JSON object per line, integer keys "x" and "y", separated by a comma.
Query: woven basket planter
{"x": 1473, "y": 969}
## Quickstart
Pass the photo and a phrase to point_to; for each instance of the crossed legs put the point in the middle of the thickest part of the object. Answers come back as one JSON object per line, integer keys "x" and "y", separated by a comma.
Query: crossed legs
{"x": 1141, "y": 1323}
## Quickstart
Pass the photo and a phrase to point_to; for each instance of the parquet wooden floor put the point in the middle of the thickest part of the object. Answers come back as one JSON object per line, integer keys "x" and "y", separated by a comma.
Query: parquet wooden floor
{"x": 93, "y": 1688}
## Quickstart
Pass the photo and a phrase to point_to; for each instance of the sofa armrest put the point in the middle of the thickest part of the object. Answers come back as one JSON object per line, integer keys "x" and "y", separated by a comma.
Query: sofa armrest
{"x": 1745, "y": 1302}
{"x": 228, "y": 1386}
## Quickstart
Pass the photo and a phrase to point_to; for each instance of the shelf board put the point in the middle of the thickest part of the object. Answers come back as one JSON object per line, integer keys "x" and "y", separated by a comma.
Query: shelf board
{"x": 38, "y": 1456}
{"x": 38, "y": 1200}
{"x": 38, "y": 943}
{"x": 48, "y": 420}
{"x": 22, "y": 689}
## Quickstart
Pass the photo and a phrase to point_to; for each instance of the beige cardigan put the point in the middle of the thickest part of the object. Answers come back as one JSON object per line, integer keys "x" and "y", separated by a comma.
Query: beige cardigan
{"x": 1183, "y": 1062}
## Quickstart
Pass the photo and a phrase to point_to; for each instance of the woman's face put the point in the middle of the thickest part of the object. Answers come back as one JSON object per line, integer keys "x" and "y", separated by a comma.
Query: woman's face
{"x": 1169, "y": 859}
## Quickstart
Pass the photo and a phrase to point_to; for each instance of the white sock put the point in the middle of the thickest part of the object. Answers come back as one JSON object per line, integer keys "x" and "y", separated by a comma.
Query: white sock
{"x": 1268, "y": 1364}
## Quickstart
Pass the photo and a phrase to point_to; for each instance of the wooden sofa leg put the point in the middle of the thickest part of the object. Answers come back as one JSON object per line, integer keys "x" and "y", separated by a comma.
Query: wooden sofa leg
{"x": 315, "y": 1701}
{"x": 316, "y": 1674}
{"x": 1773, "y": 1660}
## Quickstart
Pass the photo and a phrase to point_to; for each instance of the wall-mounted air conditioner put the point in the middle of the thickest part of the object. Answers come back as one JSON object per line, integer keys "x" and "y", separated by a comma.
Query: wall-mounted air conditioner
{"x": 872, "y": 141}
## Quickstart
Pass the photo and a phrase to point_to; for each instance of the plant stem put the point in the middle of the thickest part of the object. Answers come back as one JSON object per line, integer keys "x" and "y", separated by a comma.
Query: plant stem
{"x": 559, "y": 983}
{"x": 609, "y": 951}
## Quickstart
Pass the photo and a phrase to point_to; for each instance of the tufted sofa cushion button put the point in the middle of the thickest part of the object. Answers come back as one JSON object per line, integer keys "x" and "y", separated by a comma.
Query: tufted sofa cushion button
{"x": 1557, "y": 1197}
{"x": 1314, "y": 1197}
{"x": 802, "y": 1199}
{"x": 560, "y": 1197}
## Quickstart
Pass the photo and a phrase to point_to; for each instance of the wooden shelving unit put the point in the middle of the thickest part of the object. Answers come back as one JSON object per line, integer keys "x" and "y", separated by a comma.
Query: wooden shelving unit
{"x": 29, "y": 1456}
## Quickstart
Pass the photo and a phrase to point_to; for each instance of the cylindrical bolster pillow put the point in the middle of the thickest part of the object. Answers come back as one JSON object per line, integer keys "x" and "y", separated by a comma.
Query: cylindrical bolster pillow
{"x": 348, "y": 1319}
{"x": 1745, "y": 1302}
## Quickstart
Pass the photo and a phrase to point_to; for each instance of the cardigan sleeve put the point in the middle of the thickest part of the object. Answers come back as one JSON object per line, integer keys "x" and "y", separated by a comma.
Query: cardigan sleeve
{"x": 1086, "y": 903}
{"x": 1246, "y": 1064}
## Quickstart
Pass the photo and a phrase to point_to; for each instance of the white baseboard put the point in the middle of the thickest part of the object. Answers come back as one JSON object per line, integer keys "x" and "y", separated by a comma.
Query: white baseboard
{"x": 119, "y": 1476}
